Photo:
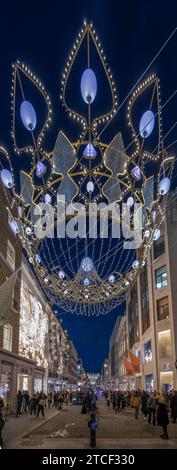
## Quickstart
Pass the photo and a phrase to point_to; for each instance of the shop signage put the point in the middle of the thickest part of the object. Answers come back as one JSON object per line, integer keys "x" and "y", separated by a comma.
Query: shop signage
{"x": 23, "y": 371}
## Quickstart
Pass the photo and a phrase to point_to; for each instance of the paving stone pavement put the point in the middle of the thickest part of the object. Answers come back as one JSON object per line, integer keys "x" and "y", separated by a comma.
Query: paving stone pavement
{"x": 115, "y": 431}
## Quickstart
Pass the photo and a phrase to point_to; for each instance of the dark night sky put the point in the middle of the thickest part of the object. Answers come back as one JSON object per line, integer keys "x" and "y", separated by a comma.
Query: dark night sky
{"x": 131, "y": 32}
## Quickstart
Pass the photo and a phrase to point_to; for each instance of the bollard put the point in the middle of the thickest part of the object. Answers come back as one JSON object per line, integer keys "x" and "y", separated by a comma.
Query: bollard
{"x": 93, "y": 424}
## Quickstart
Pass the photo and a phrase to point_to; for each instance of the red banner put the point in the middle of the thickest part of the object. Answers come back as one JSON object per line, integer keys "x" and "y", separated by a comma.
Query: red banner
{"x": 135, "y": 362}
{"x": 128, "y": 367}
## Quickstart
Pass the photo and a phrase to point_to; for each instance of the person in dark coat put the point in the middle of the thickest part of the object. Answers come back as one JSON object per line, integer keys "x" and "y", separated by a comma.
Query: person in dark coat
{"x": 152, "y": 405}
{"x": 1, "y": 428}
{"x": 174, "y": 406}
{"x": 144, "y": 407}
{"x": 162, "y": 415}
{"x": 118, "y": 400}
{"x": 33, "y": 404}
{"x": 19, "y": 403}
{"x": 1, "y": 404}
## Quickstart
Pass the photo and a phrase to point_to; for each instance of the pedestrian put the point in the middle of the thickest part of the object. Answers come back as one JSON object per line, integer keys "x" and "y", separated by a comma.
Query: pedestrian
{"x": 55, "y": 400}
{"x": 108, "y": 399}
{"x": 41, "y": 404}
{"x": 1, "y": 428}
{"x": 117, "y": 403}
{"x": 174, "y": 406}
{"x": 33, "y": 405}
{"x": 26, "y": 401}
{"x": 144, "y": 400}
{"x": 114, "y": 400}
{"x": 152, "y": 406}
{"x": 162, "y": 415}
{"x": 1, "y": 403}
{"x": 60, "y": 401}
{"x": 49, "y": 398}
{"x": 136, "y": 400}
{"x": 19, "y": 403}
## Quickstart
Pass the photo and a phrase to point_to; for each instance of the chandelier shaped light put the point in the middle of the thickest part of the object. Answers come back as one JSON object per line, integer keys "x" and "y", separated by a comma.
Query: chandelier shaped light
{"x": 86, "y": 275}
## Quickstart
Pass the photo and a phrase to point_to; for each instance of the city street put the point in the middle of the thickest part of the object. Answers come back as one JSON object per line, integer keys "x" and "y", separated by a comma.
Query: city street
{"x": 88, "y": 233}
{"x": 118, "y": 431}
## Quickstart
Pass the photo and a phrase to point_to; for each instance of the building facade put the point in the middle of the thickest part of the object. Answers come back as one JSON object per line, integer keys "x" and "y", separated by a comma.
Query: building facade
{"x": 10, "y": 262}
{"x": 36, "y": 354}
{"x": 149, "y": 328}
{"x": 58, "y": 352}
{"x": 71, "y": 370}
{"x": 33, "y": 333}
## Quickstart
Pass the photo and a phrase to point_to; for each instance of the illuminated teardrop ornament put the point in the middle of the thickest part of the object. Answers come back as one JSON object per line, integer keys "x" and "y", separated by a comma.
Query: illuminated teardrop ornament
{"x": 47, "y": 198}
{"x": 61, "y": 274}
{"x": 130, "y": 201}
{"x": 146, "y": 124}
{"x": 37, "y": 258}
{"x": 111, "y": 278}
{"x": 164, "y": 186}
{"x": 88, "y": 86}
{"x": 87, "y": 264}
{"x": 89, "y": 151}
{"x": 14, "y": 226}
{"x": 136, "y": 172}
{"x": 40, "y": 169}
{"x": 135, "y": 264}
{"x": 90, "y": 187}
{"x": 86, "y": 281}
{"x": 156, "y": 234}
{"x": 28, "y": 115}
{"x": 6, "y": 178}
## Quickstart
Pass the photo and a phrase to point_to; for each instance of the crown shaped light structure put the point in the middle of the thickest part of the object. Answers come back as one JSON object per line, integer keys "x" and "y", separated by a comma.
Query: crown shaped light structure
{"x": 86, "y": 276}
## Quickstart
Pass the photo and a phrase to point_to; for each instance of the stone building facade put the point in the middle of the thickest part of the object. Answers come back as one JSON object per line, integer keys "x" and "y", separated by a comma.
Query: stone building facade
{"x": 150, "y": 320}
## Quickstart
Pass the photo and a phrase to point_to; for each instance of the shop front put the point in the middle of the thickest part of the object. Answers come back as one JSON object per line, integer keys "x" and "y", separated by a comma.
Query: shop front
{"x": 166, "y": 381}
{"x": 40, "y": 380}
{"x": 55, "y": 385}
{"x": 6, "y": 382}
{"x": 24, "y": 379}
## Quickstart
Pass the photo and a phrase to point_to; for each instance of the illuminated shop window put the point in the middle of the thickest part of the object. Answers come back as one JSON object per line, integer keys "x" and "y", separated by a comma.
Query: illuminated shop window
{"x": 166, "y": 381}
{"x": 147, "y": 351}
{"x": 33, "y": 328}
{"x": 164, "y": 343}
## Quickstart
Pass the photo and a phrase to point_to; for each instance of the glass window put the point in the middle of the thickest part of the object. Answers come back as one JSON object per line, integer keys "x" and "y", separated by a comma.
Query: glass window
{"x": 159, "y": 247}
{"x": 10, "y": 255}
{"x": 133, "y": 318}
{"x": 139, "y": 353}
{"x": 161, "y": 277}
{"x": 149, "y": 382}
{"x": 162, "y": 308}
{"x": 144, "y": 299}
{"x": 164, "y": 342}
{"x": 166, "y": 381}
{"x": 147, "y": 351}
{"x": 7, "y": 337}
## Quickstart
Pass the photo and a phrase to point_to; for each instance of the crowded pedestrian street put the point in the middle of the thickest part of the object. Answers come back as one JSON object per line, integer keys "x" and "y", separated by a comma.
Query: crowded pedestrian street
{"x": 68, "y": 428}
